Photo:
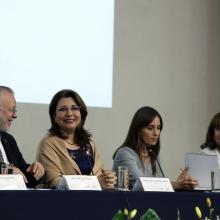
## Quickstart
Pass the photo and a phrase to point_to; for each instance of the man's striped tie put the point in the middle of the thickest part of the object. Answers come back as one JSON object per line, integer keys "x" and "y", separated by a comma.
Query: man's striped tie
{"x": 1, "y": 157}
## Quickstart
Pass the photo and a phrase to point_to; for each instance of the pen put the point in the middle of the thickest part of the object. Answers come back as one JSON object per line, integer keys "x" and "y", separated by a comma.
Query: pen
{"x": 186, "y": 173}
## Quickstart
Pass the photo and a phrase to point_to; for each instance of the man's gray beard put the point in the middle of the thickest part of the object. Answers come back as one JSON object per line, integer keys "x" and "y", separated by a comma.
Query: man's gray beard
{"x": 2, "y": 125}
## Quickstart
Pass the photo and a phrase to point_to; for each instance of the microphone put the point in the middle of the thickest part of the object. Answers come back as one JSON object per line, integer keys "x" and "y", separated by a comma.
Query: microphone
{"x": 86, "y": 152}
{"x": 158, "y": 163}
{"x": 203, "y": 146}
{"x": 207, "y": 145}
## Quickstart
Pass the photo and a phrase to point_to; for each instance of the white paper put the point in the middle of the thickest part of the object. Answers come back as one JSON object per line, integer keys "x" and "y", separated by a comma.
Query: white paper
{"x": 200, "y": 167}
{"x": 79, "y": 182}
{"x": 12, "y": 182}
{"x": 156, "y": 184}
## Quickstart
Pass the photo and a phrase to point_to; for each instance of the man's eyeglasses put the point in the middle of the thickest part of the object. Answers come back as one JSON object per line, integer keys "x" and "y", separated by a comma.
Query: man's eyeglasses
{"x": 11, "y": 110}
{"x": 65, "y": 109}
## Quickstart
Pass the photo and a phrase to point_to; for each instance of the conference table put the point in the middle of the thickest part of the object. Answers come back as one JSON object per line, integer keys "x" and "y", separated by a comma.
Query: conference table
{"x": 102, "y": 205}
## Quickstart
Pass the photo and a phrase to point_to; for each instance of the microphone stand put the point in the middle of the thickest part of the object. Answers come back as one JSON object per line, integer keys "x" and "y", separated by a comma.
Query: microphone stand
{"x": 158, "y": 163}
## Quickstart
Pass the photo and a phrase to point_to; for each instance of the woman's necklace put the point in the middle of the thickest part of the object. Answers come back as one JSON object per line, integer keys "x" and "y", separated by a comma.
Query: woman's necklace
{"x": 71, "y": 145}
{"x": 69, "y": 142}
{"x": 146, "y": 157}
{"x": 145, "y": 154}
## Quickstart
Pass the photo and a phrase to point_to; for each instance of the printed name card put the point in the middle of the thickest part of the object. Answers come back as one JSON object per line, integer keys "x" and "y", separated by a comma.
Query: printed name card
{"x": 156, "y": 184}
{"x": 79, "y": 182}
{"x": 12, "y": 182}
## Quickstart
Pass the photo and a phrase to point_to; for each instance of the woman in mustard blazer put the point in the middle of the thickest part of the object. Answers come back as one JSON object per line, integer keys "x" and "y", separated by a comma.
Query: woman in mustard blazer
{"x": 68, "y": 149}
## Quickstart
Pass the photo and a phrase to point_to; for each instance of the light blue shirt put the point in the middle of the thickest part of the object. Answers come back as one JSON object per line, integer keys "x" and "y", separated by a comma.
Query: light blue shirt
{"x": 128, "y": 157}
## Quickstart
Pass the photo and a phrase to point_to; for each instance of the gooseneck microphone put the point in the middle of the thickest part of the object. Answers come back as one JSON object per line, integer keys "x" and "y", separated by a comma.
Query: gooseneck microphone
{"x": 85, "y": 150}
{"x": 204, "y": 145}
{"x": 155, "y": 156}
{"x": 207, "y": 145}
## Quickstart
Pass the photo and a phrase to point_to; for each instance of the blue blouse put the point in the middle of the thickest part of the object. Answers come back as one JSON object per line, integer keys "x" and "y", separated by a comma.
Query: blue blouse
{"x": 84, "y": 158}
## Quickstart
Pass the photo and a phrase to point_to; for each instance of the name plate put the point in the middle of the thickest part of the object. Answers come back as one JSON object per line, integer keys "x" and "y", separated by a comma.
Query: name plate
{"x": 156, "y": 184}
{"x": 79, "y": 182}
{"x": 12, "y": 182}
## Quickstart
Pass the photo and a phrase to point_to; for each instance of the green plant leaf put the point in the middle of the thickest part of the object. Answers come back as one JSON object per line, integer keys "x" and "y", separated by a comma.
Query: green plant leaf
{"x": 119, "y": 216}
{"x": 150, "y": 215}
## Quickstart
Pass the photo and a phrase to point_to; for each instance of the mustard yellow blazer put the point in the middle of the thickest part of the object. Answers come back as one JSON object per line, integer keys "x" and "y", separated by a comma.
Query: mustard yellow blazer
{"x": 52, "y": 153}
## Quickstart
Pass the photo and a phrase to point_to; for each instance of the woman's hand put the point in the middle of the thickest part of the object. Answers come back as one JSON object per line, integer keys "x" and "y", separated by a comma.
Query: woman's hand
{"x": 185, "y": 181}
{"x": 107, "y": 179}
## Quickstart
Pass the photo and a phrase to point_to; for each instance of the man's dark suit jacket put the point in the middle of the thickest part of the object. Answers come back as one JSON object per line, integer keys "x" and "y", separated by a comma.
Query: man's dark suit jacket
{"x": 15, "y": 157}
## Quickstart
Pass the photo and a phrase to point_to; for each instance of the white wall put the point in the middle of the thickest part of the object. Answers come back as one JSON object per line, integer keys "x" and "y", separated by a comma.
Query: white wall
{"x": 166, "y": 55}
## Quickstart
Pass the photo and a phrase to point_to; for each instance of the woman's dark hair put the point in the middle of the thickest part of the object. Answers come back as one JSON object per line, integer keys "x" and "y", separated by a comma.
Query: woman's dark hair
{"x": 210, "y": 139}
{"x": 142, "y": 118}
{"x": 82, "y": 136}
